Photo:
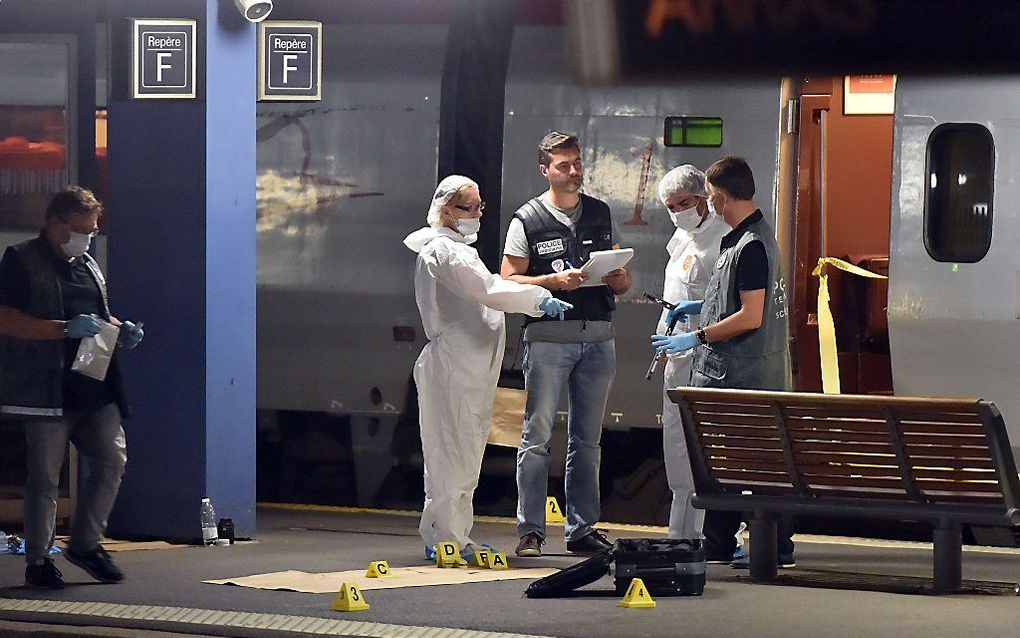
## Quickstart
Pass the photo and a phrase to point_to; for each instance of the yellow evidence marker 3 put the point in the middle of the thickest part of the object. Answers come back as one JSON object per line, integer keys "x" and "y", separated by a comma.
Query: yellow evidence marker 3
{"x": 378, "y": 569}
{"x": 553, "y": 513}
{"x": 349, "y": 598}
{"x": 637, "y": 596}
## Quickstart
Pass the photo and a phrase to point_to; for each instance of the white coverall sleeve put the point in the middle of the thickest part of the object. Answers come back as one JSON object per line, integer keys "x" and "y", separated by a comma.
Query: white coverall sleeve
{"x": 468, "y": 277}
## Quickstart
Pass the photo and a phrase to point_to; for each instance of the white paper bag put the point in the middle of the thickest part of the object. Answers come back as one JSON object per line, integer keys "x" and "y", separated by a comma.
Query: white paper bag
{"x": 95, "y": 353}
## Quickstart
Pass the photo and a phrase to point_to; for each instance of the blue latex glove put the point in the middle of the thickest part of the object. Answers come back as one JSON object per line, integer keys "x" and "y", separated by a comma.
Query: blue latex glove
{"x": 674, "y": 344}
{"x": 130, "y": 335}
{"x": 680, "y": 311}
{"x": 82, "y": 326}
{"x": 553, "y": 306}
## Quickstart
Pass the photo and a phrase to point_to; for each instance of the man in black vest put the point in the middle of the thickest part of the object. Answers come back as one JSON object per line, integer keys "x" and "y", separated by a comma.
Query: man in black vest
{"x": 549, "y": 237}
{"x": 52, "y": 295}
{"x": 743, "y": 338}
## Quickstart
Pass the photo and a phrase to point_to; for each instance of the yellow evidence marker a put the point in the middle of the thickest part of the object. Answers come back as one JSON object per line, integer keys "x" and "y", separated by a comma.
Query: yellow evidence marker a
{"x": 497, "y": 561}
{"x": 349, "y": 598}
{"x": 637, "y": 596}
{"x": 553, "y": 513}
{"x": 448, "y": 555}
{"x": 481, "y": 558}
{"x": 378, "y": 569}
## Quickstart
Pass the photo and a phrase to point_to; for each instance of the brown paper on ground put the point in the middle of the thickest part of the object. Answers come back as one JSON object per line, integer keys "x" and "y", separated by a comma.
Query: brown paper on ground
{"x": 127, "y": 546}
{"x": 327, "y": 583}
{"x": 507, "y": 417}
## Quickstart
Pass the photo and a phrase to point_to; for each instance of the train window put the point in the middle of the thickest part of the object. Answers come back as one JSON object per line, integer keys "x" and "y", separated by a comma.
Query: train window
{"x": 958, "y": 193}
{"x": 693, "y": 131}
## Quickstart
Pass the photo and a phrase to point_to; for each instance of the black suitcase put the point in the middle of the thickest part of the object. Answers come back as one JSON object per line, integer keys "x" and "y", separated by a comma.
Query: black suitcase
{"x": 667, "y": 567}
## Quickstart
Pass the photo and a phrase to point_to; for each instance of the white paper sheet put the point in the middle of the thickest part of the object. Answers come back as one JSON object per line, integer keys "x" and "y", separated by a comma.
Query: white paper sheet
{"x": 602, "y": 262}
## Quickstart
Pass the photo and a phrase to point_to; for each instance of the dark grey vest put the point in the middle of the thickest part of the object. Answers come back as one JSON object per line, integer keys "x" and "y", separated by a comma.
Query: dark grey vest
{"x": 755, "y": 360}
{"x": 32, "y": 372}
{"x": 549, "y": 241}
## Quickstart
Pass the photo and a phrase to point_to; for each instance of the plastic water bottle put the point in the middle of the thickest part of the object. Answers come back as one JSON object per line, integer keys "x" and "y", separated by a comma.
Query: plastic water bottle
{"x": 208, "y": 518}
{"x": 3, "y": 543}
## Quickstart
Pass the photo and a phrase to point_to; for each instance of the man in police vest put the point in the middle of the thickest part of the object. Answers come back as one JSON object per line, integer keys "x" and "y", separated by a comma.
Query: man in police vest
{"x": 548, "y": 238}
{"x": 743, "y": 338}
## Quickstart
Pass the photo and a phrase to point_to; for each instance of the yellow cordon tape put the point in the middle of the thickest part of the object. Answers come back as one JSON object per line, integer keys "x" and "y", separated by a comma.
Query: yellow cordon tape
{"x": 826, "y": 326}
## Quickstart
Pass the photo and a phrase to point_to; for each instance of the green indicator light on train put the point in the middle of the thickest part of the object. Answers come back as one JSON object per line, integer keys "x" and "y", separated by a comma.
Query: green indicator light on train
{"x": 693, "y": 131}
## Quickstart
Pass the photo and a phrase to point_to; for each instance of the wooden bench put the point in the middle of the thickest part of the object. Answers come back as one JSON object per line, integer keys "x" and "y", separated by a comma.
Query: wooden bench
{"x": 944, "y": 461}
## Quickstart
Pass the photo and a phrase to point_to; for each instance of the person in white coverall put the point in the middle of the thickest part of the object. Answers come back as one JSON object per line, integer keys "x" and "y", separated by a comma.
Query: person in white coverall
{"x": 462, "y": 306}
{"x": 693, "y": 250}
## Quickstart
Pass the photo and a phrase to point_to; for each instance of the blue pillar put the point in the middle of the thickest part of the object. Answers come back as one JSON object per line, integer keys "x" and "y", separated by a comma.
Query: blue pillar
{"x": 182, "y": 260}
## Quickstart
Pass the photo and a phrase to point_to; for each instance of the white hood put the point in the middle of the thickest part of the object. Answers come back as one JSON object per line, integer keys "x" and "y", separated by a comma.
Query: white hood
{"x": 420, "y": 238}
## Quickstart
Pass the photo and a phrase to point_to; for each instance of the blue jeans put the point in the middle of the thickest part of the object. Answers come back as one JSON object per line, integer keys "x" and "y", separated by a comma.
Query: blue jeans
{"x": 587, "y": 369}
{"x": 99, "y": 438}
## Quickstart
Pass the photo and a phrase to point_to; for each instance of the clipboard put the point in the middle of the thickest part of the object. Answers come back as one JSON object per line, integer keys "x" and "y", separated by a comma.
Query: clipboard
{"x": 601, "y": 262}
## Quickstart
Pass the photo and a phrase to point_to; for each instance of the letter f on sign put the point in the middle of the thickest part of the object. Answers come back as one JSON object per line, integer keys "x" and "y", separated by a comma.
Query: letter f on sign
{"x": 160, "y": 56}
{"x": 287, "y": 68}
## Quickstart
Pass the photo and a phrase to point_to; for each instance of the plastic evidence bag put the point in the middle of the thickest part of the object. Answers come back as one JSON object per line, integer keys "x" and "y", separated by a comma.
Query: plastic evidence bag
{"x": 94, "y": 353}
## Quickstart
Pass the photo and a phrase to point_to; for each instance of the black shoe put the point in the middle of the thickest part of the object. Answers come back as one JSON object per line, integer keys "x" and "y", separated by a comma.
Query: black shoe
{"x": 45, "y": 576}
{"x": 530, "y": 545}
{"x": 592, "y": 543}
{"x": 98, "y": 564}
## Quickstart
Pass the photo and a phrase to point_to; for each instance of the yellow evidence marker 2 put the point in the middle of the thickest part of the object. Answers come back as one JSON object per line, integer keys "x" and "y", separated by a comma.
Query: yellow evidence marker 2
{"x": 349, "y": 598}
{"x": 448, "y": 555}
{"x": 637, "y": 596}
{"x": 378, "y": 569}
{"x": 497, "y": 561}
{"x": 553, "y": 513}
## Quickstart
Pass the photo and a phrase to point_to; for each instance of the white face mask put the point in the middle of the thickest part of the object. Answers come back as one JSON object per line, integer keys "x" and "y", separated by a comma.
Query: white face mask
{"x": 77, "y": 245}
{"x": 469, "y": 226}
{"x": 687, "y": 219}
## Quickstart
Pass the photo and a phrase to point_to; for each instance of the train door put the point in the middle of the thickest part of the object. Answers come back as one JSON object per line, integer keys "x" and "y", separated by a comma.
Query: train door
{"x": 841, "y": 189}
{"x": 38, "y": 136}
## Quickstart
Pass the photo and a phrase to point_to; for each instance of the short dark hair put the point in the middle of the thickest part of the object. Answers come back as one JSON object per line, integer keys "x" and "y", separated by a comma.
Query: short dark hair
{"x": 733, "y": 175}
{"x": 73, "y": 200}
{"x": 555, "y": 141}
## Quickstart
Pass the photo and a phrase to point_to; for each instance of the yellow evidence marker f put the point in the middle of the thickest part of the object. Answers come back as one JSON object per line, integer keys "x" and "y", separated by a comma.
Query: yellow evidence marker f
{"x": 637, "y": 596}
{"x": 553, "y": 513}
{"x": 349, "y": 598}
{"x": 448, "y": 555}
{"x": 497, "y": 561}
{"x": 481, "y": 558}
{"x": 378, "y": 569}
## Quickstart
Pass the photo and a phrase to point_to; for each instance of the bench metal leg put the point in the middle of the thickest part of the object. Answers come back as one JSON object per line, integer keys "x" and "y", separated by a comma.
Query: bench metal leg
{"x": 764, "y": 554}
{"x": 947, "y": 565}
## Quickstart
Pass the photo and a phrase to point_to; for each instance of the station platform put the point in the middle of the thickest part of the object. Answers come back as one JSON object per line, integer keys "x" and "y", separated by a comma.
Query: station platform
{"x": 840, "y": 587}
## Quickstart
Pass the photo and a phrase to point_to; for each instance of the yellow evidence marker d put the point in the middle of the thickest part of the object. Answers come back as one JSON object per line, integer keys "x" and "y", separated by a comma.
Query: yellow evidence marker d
{"x": 553, "y": 513}
{"x": 349, "y": 598}
{"x": 637, "y": 596}
{"x": 481, "y": 558}
{"x": 378, "y": 569}
{"x": 448, "y": 555}
{"x": 497, "y": 561}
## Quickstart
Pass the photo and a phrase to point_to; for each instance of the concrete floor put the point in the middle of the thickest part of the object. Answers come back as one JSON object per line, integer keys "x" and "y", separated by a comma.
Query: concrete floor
{"x": 731, "y": 607}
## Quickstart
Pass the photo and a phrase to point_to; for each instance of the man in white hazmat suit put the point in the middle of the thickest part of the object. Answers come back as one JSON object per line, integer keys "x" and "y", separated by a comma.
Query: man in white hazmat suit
{"x": 461, "y": 305}
{"x": 693, "y": 250}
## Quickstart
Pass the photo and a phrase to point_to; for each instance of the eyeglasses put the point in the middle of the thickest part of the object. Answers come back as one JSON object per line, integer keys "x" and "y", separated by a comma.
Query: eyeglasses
{"x": 472, "y": 208}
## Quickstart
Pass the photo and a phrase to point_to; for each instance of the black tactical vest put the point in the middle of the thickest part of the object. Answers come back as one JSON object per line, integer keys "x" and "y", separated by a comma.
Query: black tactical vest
{"x": 552, "y": 244}
{"x": 755, "y": 360}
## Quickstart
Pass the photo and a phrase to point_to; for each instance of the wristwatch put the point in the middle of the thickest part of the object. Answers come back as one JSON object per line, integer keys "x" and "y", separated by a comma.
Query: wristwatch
{"x": 699, "y": 334}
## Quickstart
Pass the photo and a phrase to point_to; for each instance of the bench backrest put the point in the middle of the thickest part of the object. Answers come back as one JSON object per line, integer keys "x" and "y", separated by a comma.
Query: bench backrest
{"x": 816, "y": 445}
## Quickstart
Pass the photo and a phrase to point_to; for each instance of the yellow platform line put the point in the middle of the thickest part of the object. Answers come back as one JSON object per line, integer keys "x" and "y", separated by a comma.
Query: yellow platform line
{"x": 652, "y": 529}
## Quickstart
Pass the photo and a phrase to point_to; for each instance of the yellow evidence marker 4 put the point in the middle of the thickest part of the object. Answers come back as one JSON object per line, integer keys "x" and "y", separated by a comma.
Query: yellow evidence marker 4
{"x": 637, "y": 596}
{"x": 553, "y": 513}
{"x": 378, "y": 569}
{"x": 448, "y": 555}
{"x": 349, "y": 598}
